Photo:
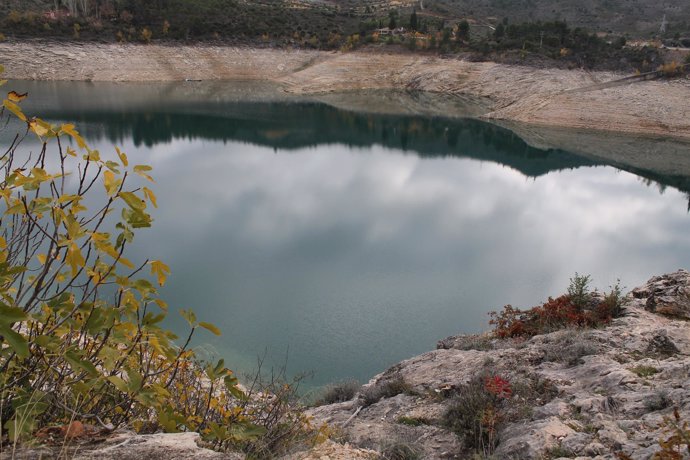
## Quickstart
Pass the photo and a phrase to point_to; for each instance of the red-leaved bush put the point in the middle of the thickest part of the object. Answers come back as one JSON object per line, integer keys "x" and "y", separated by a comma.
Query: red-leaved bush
{"x": 555, "y": 314}
{"x": 498, "y": 387}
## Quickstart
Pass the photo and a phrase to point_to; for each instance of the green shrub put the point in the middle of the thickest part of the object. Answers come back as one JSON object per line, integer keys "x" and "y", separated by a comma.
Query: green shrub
{"x": 475, "y": 413}
{"x": 659, "y": 400}
{"x": 570, "y": 348}
{"x": 386, "y": 388}
{"x": 412, "y": 421}
{"x": 644, "y": 371}
{"x": 338, "y": 392}
{"x": 558, "y": 452}
{"x": 578, "y": 290}
{"x": 400, "y": 451}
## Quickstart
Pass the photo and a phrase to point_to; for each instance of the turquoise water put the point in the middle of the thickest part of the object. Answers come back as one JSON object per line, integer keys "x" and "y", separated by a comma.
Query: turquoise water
{"x": 341, "y": 242}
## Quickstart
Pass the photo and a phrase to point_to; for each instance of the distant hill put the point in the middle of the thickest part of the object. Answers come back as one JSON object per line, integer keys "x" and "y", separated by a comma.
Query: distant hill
{"x": 637, "y": 18}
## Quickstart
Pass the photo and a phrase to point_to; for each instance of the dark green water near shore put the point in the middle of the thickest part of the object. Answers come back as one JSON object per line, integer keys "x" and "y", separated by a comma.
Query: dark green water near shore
{"x": 351, "y": 240}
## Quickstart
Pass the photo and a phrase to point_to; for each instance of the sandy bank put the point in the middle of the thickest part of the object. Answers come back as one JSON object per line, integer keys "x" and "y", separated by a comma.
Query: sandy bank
{"x": 547, "y": 97}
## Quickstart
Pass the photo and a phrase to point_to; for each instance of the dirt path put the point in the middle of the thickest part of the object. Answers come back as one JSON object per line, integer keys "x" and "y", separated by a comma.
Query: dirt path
{"x": 535, "y": 96}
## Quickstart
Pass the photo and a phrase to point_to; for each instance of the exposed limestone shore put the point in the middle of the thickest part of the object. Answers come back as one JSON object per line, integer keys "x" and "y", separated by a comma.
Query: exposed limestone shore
{"x": 546, "y": 97}
{"x": 576, "y": 393}
{"x": 589, "y": 393}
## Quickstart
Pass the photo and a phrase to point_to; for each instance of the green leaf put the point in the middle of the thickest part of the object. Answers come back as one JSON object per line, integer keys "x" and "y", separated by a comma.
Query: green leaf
{"x": 10, "y": 315}
{"x": 168, "y": 421}
{"x": 135, "y": 381}
{"x": 189, "y": 316}
{"x": 217, "y": 432}
{"x": 210, "y": 327}
{"x": 247, "y": 431}
{"x": 151, "y": 320}
{"x": 144, "y": 286}
{"x": 16, "y": 341}
{"x": 232, "y": 388}
{"x": 49, "y": 342}
{"x": 147, "y": 397}
{"x": 118, "y": 383}
{"x": 96, "y": 321}
{"x": 77, "y": 363}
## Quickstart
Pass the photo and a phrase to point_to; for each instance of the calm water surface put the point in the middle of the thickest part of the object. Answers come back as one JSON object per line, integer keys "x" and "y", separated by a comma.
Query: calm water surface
{"x": 350, "y": 241}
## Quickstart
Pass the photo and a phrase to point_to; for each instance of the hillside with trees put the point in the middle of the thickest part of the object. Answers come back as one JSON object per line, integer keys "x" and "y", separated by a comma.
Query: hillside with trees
{"x": 591, "y": 34}
{"x": 237, "y": 18}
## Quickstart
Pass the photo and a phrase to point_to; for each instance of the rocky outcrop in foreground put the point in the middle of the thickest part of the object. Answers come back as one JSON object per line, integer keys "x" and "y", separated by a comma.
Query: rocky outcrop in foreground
{"x": 589, "y": 393}
{"x": 603, "y": 393}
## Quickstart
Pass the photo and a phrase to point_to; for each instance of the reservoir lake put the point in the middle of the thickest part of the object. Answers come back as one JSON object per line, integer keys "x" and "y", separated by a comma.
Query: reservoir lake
{"x": 338, "y": 239}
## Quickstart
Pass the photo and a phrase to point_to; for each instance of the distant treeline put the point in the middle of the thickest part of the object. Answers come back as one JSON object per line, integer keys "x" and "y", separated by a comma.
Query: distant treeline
{"x": 145, "y": 20}
{"x": 274, "y": 23}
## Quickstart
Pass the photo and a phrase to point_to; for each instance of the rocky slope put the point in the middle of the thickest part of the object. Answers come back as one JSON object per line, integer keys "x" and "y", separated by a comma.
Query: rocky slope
{"x": 597, "y": 393}
{"x": 547, "y": 97}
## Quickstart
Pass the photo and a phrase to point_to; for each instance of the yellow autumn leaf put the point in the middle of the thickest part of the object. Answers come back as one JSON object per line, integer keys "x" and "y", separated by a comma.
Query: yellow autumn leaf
{"x": 66, "y": 198}
{"x": 73, "y": 227}
{"x": 142, "y": 170}
{"x": 42, "y": 258}
{"x": 40, "y": 174}
{"x": 161, "y": 304}
{"x": 69, "y": 129}
{"x": 161, "y": 270}
{"x": 93, "y": 155}
{"x": 15, "y": 109}
{"x": 126, "y": 262}
{"x": 210, "y": 327}
{"x": 16, "y": 97}
{"x": 110, "y": 182}
{"x": 95, "y": 277}
{"x": 74, "y": 258}
{"x": 123, "y": 157}
{"x": 151, "y": 197}
{"x": 39, "y": 127}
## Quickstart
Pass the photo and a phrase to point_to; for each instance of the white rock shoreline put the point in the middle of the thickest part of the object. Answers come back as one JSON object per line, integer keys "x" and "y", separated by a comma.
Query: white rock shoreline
{"x": 540, "y": 97}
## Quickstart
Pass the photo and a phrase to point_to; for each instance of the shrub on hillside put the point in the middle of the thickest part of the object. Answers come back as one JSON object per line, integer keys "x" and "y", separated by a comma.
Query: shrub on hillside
{"x": 338, "y": 392}
{"x": 578, "y": 308}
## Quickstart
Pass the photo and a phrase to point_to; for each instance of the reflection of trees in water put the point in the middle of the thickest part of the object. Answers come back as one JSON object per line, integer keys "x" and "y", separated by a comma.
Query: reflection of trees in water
{"x": 661, "y": 182}
{"x": 289, "y": 126}
{"x": 292, "y": 126}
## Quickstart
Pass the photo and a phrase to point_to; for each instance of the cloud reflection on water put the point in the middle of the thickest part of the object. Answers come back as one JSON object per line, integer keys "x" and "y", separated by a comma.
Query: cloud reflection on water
{"x": 356, "y": 240}
{"x": 357, "y": 257}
